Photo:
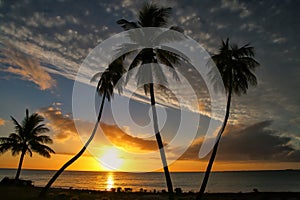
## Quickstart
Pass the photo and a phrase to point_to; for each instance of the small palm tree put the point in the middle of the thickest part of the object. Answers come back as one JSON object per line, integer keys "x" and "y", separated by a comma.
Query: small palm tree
{"x": 236, "y": 66}
{"x": 108, "y": 80}
{"x": 27, "y": 138}
{"x": 152, "y": 15}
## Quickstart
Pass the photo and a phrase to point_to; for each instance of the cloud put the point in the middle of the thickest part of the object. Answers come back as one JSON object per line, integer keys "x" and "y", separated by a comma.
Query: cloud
{"x": 62, "y": 125}
{"x": 27, "y": 67}
{"x": 236, "y": 6}
{"x": 64, "y": 129}
{"x": 279, "y": 40}
{"x": 255, "y": 142}
{"x": 2, "y": 122}
{"x": 124, "y": 140}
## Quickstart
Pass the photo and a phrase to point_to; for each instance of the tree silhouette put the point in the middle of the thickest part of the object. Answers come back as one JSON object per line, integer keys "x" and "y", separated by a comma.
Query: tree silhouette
{"x": 27, "y": 138}
{"x": 148, "y": 58}
{"x": 236, "y": 66}
{"x": 105, "y": 88}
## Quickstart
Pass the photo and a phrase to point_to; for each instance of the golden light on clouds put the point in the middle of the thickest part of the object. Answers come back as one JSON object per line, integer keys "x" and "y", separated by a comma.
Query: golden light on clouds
{"x": 28, "y": 67}
{"x": 127, "y": 140}
{"x": 2, "y": 122}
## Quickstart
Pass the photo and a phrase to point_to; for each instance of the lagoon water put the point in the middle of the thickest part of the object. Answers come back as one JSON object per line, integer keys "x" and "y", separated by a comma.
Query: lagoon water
{"x": 240, "y": 181}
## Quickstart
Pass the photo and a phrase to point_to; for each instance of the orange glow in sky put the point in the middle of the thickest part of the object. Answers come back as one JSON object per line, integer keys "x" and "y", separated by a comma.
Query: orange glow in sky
{"x": 111, "y": 159}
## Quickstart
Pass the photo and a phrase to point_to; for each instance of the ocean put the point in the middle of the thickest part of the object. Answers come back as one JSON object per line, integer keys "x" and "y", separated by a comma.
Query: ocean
{"x": 238, "y": 181}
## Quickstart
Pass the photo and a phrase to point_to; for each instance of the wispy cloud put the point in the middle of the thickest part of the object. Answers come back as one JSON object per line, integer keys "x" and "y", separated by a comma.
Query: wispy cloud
{"x": 279, "y": 40}
{"x": 26, "y": 66}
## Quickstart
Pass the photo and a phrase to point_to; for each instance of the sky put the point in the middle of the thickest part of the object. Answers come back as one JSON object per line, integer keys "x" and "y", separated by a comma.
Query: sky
{"x": 44, "y": 43}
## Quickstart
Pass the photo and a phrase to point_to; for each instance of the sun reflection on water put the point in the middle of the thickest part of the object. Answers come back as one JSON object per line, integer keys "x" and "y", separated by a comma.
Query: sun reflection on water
{"x": 110, "y": 181}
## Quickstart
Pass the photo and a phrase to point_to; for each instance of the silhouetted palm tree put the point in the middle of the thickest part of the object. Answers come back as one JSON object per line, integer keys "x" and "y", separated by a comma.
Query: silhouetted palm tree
{"x": 108, "y": 80}
{"x": 27, "y": 138}
{"x": 236, "y": 66}
{"x": 152, "y": 15}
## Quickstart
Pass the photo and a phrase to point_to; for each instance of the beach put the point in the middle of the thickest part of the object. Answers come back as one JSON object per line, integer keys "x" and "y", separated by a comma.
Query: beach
{"x": 28, "y": 193}
{"x": 73, "y": 185}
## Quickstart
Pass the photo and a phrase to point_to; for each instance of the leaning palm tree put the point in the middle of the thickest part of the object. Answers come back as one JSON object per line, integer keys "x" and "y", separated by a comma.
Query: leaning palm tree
{"x": 151, "y": 15}
{"x": 27, "y": 138}
{"x": 236, "y": 66}
{"x": 110, "y": 78}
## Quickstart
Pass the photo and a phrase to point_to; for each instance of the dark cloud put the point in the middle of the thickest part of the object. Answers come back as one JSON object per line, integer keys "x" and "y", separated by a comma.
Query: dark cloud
{"x": 255, "y": 142}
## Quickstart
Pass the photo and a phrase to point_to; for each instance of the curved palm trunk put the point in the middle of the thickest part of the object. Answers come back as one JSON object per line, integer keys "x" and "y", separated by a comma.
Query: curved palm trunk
{"x": 72, "y": 160}
{"x": 215, "y": 149}
{"x": 160, "y": 143}
{"x": 20, "y": 164}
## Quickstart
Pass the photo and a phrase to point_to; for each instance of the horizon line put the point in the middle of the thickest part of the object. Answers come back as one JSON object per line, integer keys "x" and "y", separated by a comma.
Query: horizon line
{"x": 116, "y": 171}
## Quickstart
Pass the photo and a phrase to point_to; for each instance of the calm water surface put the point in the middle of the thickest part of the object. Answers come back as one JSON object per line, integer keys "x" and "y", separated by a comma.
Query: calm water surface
{"x": 244, "y": 181}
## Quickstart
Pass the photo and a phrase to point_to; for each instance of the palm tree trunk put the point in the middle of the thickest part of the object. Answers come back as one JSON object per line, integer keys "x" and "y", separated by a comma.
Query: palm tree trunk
{"x": 20, "y": 164}
{"x": 72, "y": 160}
{"x": 160, "y": 143}
{"x": 215, "y": 149}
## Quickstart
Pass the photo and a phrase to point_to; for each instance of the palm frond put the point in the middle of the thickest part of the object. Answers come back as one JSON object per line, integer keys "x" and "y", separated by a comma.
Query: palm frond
{"x": 236, "y": 66}
{"x": 16, "y": 149}
{"x": 126, "y": 49}
{"x": 112, "y": 77}
{"x": 5, "y": 140}
{"x": 13, "y": 142}
{"x": 138, "y": 59}
{"x": 168, "y": 58}
{"x": 105, "y": 85}
{"x": 40, "y": 129}
{"x": 169, "y": 36}
{"x": 18, "y": 127}
{"x": 29, "y": 152}
{"x": 153, "y": 16}
{"x": 158, "y": 74}
{"x": 43, "y": 139}
{"x": 96, "y": 77}
{"x": 126, "y": 25}
{"x": 245, "y": 50}
{"x": 42, "y": 150}
{"x": 177, "y": 28}
{"x": 250, "y": 62}
{"x": 4, "y": 147}
{"x": 176, "y": 54}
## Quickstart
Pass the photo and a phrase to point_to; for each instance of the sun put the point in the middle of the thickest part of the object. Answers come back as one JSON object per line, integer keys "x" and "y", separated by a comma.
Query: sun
{"x": 111, "y": 159}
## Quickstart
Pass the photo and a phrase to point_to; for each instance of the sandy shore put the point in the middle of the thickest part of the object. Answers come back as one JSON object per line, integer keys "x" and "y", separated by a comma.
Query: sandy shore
{"x": 20, "y": 193}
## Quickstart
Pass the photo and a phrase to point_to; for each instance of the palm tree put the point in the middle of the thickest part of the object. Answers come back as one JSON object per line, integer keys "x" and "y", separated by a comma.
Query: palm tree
{"x": 236, "y": 66}
{"x": 27, "y": 138}
{"x": 152, "y": 15}
{"x": 105, "y": 88}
